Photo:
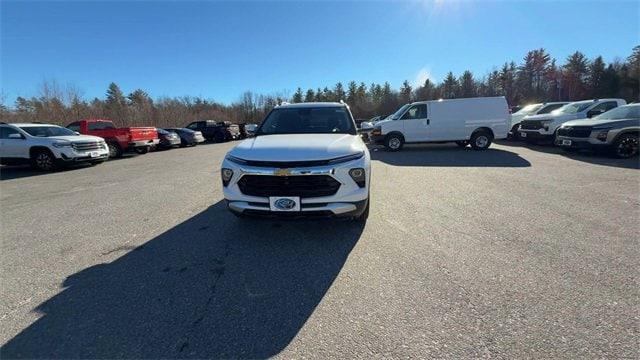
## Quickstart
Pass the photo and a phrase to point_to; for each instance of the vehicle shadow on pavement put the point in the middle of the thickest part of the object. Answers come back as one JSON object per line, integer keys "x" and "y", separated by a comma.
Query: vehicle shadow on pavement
{"x": 448, "y": 155}
{"x": 211, "y": 287}
{"x": 589, "y": 156}
{"x": 23, "y": 171}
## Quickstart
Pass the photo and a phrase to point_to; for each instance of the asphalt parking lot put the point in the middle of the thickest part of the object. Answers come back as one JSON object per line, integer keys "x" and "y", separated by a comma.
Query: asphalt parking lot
{"x": 513, "y": 252}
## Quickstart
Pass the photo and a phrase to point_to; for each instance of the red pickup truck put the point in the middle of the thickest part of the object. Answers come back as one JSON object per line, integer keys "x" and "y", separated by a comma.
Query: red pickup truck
{"x": 119, "y": 140}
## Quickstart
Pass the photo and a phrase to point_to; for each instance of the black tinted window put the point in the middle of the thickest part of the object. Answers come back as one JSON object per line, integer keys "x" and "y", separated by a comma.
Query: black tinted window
{"x": 605, "y": 106}
{"x": 549, "y": 108}
{"x": 319, "y": 120}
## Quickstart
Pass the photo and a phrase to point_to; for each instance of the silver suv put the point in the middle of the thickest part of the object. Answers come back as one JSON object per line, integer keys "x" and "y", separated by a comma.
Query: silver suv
{"x": 616, "y": 130}
{"x": 46, "y": 146}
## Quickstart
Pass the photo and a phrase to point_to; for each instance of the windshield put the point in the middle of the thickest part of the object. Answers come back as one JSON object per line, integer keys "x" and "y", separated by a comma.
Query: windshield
{"x": 622, "y": 112}
{"x": 399, "y": 112}
{"x": 47, "y": 131}
{"x": 573, "y": 108}
{"x": 529, "y": 109}
{"x": 319, "y": 120}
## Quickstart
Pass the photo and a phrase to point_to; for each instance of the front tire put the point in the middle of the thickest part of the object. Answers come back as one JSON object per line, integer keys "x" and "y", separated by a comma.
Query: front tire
{"x": 481, "y": 140}
{"x": 626, "y": 146}
{"x": 394, "y": 142}
{"x": 43, "y": 160}
{"x": 114, "y": 150}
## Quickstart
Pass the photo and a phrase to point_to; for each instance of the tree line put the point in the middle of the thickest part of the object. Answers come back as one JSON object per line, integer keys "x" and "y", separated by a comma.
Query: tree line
{"x": 537, "y": 78}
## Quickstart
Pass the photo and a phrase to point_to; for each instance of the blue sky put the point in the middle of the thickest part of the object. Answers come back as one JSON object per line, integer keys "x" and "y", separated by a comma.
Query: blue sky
{"x": 220, "y": 49}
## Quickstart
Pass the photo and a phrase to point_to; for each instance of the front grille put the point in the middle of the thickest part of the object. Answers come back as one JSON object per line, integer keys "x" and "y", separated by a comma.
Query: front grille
{"x": 575, "y": 131}
{"x": 304, "y": 186}
{"x": 531, "y": 125}
{"x": 87, "y": 146}
{"x": 286, "y": 164}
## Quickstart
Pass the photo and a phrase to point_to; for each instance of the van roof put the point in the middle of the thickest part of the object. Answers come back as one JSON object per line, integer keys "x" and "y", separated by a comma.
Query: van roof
{"x": 458, "y": 99}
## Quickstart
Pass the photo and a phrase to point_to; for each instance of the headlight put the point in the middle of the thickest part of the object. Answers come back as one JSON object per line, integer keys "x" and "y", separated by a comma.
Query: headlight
{"x": 358, "y": 175}
{"x": 346, "y": 158}
{"x": 62, "y": 143}
{"x": 236, "y": 160}
{"x": 226, "y": 174}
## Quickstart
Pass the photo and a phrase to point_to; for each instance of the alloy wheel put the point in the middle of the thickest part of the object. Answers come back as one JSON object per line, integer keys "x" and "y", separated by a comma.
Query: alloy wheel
{"x": 628, "y": 147}
{"x": 44, "y": 161}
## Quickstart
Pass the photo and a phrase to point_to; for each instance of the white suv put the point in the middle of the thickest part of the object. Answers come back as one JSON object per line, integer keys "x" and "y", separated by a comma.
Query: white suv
{"x": 305, "y": 160}
{"x": 47, "y": 146}
{"x": 543, "y": 127}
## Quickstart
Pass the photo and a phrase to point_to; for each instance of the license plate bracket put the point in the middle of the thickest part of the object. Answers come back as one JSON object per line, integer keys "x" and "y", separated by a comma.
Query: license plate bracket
{"x": 566, "y": 142}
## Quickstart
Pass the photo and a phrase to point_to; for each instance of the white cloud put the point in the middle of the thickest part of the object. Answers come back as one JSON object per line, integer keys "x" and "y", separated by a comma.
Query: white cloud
{"x": 422, "y": 75}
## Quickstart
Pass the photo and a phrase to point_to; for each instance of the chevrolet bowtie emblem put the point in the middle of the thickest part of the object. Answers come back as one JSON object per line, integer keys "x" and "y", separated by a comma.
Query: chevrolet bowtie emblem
{"x": 282, "y": 172}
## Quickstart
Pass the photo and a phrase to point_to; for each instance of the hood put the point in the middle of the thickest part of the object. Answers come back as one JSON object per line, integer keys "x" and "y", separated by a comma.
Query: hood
{"x": 596, "y": 122}
{"x": 298, "y": 147}
{"x": 75, "y": 138}
{"x": 383, "y": 122}
{"x": 560, "y": 117}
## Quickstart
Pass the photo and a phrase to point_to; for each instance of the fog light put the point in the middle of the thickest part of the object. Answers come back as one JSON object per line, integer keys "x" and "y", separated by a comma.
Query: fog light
{"x": 358, "y": 175}
{"x": 602, "y": 135}
{"x": 227, "y": 174}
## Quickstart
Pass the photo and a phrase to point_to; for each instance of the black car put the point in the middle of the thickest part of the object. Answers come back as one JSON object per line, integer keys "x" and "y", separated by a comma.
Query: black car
{"x": 216, "y": 131}
{"x": 188, "y": 137}
{"x": 168, "y": 139}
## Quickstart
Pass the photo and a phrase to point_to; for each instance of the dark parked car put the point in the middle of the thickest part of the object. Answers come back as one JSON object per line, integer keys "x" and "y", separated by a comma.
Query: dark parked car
{"x": 616, "y": 130}
{"x": 168, "y": 139}
{"x": 216, "y": 131}
{"x": 188, "y": 137}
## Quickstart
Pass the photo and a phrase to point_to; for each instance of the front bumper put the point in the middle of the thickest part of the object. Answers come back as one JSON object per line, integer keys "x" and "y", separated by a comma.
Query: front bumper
{"x": 71, "y": 156}
{"x": 170, "y": 142}
{"x": 580, "y": 143}
{"x": 346, "y": 201}
{"x": 310, "y": 210}
{"x": 535, "y": 135}
{"x": 376, "y": 139}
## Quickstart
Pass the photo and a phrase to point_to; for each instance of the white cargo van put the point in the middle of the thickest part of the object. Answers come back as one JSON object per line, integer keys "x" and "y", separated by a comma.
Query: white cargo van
{"x": 475, "y": 121}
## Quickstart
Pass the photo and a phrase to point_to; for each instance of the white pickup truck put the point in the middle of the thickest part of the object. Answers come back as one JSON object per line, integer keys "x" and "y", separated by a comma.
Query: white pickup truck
{"x": 306, "y": 160}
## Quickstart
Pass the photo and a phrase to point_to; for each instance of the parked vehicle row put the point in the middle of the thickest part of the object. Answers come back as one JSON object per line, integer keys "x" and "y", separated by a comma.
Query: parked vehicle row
{"x": 607, "y": 124}
{"x": 47, "y": 146}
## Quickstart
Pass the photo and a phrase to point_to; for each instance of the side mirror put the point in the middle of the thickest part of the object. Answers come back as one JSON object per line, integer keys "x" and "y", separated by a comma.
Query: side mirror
{"x": 16, "y": 136}
{"x": 77, "y": 133}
